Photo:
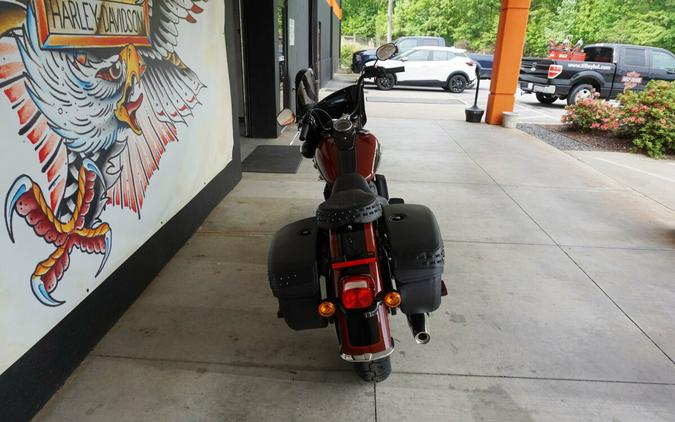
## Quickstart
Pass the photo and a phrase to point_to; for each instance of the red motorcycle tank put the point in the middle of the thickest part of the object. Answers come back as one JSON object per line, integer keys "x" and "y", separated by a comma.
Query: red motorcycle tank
{"x": 367, "y": 157}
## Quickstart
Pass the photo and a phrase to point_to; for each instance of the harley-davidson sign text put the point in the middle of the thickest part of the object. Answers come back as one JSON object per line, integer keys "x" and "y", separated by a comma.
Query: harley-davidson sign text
{"x": 92, "y": 23}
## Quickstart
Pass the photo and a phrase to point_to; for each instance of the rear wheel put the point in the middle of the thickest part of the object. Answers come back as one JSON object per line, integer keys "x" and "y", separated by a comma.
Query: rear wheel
{"x": 546, "y": 98}
{"x": 377, "y": 370}
{"x": 385, "y": 83}
{"x": 580, "y": 92}
{"x": 457, "y": 84}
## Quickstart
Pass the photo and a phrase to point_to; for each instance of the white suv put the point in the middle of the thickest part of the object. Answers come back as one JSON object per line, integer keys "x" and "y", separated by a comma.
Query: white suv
{"x": 445, "y": 67}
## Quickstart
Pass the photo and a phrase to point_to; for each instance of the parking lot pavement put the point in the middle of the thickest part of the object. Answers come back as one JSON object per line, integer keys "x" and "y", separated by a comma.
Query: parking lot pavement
{"x": 531, "y": 111}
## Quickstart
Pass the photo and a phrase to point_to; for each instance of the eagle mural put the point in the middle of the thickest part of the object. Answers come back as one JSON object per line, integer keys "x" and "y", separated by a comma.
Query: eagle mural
{"x": 99, "y": 119}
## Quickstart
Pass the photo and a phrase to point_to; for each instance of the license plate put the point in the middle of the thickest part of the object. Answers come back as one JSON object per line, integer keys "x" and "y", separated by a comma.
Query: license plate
{"x": 530, "y": 85}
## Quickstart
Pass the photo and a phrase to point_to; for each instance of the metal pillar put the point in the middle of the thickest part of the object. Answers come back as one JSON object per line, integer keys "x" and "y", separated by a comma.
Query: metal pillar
{"x": 508, "y": 52}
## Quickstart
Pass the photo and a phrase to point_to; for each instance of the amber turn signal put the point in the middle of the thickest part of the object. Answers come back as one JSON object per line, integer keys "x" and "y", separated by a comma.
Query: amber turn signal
{"x": 392, "y": 300}
{"x": 326, "y": 309}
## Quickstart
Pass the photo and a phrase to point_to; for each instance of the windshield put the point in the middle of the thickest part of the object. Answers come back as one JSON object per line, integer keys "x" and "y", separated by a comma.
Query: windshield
{"x": 403, "y": 54}
{"x": 406, "y": 44}
{"x": 437, "y": 55}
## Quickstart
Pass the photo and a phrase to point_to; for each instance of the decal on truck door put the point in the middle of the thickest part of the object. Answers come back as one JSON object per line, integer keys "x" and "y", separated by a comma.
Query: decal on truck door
{"x": 98, "y": 89}
{"x": 631, "y": 80}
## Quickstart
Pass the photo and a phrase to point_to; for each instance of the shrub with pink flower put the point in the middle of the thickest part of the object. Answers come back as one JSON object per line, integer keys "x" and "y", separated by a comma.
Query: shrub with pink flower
{"x": 591, "y": 115}
{"x": 648, "y": 117}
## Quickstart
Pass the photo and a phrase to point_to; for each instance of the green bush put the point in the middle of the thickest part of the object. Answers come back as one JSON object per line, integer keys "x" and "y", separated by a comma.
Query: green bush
{"x": 346, "y": 51}
{"x": 647, "y": 117}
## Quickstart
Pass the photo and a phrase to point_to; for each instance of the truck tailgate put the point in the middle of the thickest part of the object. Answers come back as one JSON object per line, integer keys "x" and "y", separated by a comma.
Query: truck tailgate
{"x": 537, "y": 68}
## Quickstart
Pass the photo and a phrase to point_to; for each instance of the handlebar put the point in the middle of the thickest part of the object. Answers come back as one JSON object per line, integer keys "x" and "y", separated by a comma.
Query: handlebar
{"x": 373, "y": 71}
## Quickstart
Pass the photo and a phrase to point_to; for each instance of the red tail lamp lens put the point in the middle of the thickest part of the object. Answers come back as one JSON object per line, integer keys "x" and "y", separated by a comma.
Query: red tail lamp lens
{"x": 554, "y": 71}
{"x": 357, "y": 294}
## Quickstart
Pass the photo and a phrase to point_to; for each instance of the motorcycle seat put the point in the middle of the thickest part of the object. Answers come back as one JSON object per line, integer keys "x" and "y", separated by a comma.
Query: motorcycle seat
{"x": 351, "y": 201}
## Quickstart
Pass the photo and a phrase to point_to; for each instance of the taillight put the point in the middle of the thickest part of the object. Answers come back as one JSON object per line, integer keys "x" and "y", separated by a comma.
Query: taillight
{"x": 471, "y": 63}
{"x": 357, "y": 293}
{"x": 554, "y": 71}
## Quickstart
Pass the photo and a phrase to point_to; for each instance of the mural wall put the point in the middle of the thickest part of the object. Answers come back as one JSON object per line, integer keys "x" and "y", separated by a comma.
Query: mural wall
{"x": 114, "y": 114}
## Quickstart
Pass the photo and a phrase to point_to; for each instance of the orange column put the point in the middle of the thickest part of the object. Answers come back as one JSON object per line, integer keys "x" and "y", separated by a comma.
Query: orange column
{"x": 508, "y": 52}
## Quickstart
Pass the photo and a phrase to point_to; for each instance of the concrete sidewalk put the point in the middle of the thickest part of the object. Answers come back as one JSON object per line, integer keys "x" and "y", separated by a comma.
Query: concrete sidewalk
{"x": 560, "y": 306}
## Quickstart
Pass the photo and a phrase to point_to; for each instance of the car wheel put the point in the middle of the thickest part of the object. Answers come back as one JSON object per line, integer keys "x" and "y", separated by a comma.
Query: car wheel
{"x": 546, "y": 98}
{"x": 457, "y": 84}
{"x": 385, "y": 83}
{"x": 580, "y": 92}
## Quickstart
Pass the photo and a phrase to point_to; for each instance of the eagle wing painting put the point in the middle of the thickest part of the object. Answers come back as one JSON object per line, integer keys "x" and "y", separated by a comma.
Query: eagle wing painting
{"x": 99, "y": 120}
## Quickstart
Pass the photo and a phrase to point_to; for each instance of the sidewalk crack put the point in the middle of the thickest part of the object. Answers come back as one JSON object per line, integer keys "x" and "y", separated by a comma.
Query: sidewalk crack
{"x": 375, "y": 396}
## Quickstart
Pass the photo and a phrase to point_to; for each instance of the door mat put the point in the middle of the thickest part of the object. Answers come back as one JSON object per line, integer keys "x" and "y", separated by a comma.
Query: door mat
{"x": 273, "y": 159}
{"x": 414, "y": 100}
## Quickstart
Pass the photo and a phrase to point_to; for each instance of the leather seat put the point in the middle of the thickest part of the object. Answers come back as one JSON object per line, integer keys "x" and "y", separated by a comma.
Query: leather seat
{"x": 351, "y": 201}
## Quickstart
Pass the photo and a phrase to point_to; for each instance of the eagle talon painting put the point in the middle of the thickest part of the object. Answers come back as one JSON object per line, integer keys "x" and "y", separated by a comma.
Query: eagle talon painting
{"x": 100, "y": 92}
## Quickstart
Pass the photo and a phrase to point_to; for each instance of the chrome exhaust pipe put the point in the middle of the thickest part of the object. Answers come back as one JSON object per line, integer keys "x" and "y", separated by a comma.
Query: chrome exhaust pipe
{"x": 419, "y": 325}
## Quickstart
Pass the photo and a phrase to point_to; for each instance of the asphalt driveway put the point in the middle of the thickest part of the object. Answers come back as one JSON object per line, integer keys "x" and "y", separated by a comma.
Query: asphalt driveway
{"x": 531, "y": 111}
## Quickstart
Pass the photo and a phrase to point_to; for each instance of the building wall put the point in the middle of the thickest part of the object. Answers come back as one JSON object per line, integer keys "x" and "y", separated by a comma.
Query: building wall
{"x": 299, "y": 54}
{"x": 337, "y": 32}
{"x": 298, "y": 41}
{"x": 325, "y": 17}
{"x": 103, "y": 179}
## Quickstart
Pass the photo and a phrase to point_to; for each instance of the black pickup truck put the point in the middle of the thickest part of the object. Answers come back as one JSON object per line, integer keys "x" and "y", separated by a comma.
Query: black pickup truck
{"x": 608, "y": 69}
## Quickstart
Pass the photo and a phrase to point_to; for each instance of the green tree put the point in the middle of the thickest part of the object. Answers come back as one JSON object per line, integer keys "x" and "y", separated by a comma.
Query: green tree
{"x": 359, "y": 16}
{"x": 646, "y": 22}
{"x": 473, "y": 23}
{"x": 562, "y": 24}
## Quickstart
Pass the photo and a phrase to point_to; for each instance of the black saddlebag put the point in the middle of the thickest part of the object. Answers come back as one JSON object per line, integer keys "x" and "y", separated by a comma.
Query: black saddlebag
{"x": 415, "y": 246}
{"x": 294, "y": 276}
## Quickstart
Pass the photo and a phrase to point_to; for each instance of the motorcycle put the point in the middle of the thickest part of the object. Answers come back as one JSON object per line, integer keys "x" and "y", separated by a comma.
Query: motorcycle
{"x": 364, "y": 256}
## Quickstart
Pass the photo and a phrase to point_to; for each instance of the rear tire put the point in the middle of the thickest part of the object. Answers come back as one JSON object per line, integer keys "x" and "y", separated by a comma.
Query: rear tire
{"x": 457, "y": 84}
{"x": 546, "y": 98}
{"x": 377, "y": 370}
{"x": 385, "y": 83}
{"x": 579, "y": 92}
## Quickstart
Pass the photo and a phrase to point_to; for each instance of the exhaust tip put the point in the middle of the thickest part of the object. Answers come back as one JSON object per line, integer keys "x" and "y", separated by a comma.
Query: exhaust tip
{"x": 419, "y": 325}
{"x": 422, "y": 338}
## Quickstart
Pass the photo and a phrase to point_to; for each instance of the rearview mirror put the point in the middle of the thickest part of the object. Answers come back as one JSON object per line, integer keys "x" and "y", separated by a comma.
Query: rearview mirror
{"x": 386, "y": 51}
{"x": 286, "y": 117}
